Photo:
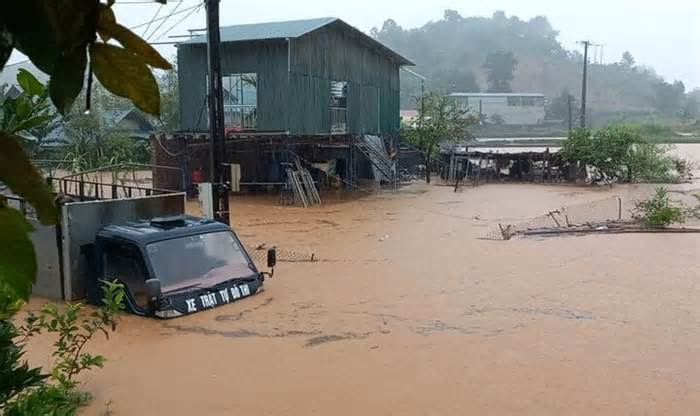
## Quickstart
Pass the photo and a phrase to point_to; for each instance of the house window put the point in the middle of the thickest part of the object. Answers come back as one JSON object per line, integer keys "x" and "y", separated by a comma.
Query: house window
{"x": 513, "y": 101}
{"x": 240, "y": 100}
{"x": 528, "y": 101}
{"x": 339, "y": 106}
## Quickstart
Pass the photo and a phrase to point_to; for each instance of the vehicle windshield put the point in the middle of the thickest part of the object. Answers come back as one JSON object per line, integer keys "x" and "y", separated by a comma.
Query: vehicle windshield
{"x": 202, "y": 260}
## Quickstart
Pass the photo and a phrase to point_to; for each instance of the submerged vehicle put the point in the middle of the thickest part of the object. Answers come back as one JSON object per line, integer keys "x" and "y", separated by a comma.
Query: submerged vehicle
{"x": 170, "y": 263}
{"x": 174, "y": 266}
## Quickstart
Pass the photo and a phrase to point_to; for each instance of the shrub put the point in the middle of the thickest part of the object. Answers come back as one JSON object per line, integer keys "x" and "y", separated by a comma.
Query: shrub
{"x": 658, "y": 211}
{"x": 619, "y": 154}
{"x": 647, "y": 162}
{"x": 29, "y": 391}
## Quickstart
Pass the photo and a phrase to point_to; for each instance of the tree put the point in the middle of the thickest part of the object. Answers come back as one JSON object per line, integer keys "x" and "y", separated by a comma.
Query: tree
{"x": 691, "y": 109}
{"x": 558, "y": 108}
{"x": 27, "y": 114}
{"x": 65, "y": 33}
{"x": 627, "y": 62}
{"x": 57, "y": 36}
{"x": 440, "y": 119}
{"x": 618, "y": 154}
{"x": 669, "y": 98}
{"x": 169, "y": 119}
{"x": 500, "y": 68}
{"x": 453, "y": 44}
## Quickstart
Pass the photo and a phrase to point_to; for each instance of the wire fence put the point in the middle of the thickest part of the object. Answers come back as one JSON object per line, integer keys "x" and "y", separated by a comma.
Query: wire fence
{"x": 601, "y": 211}
{"x": 259, "y": 253}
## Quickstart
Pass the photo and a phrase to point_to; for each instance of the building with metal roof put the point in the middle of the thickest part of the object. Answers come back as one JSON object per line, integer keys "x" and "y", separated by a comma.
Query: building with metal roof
{"x": 526, "y": 109}
{"x": 305, "y": 77}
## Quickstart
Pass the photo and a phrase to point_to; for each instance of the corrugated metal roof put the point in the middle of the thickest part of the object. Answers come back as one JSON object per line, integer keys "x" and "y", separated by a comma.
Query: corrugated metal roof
{"x": 288, "y": 29}
{"x": 495, "y": 94}
{"x": 268, "y": 30}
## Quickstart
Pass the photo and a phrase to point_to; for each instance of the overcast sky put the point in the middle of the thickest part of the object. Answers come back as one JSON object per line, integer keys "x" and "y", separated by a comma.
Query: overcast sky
{"x": 662, "y": 34}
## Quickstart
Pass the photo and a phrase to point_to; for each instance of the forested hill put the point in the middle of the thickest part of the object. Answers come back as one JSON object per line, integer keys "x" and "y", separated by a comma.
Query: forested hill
{"x": 458, "y": 54}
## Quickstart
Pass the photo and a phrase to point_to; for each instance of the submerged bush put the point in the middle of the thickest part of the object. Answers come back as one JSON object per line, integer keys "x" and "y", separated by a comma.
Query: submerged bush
{"x": 659, "y": 211}
{"x": 620, "y": 154}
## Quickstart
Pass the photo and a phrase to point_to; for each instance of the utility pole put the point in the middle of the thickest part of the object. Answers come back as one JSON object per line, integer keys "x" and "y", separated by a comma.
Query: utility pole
{"x": 570, "y": 115}
{"x": 217, "y": 174}
{"x": 586, "y": 44}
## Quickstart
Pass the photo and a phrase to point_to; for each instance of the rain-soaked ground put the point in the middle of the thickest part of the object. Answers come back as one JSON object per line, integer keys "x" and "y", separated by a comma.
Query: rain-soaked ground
{"x": 410, "y": 311}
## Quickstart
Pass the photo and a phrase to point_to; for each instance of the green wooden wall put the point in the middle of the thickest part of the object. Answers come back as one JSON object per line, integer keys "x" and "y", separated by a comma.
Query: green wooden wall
{"x": 298, "y": 100}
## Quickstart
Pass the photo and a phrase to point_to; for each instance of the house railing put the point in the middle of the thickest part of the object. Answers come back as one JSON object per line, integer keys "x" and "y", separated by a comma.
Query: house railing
{"x": 339, "y": 120}
{"x": 241, "y": 117}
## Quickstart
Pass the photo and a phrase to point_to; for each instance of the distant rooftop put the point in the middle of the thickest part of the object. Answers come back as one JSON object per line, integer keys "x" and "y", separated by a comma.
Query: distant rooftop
{"x": 496, "y": 94}
{"x": 291, "y": 29}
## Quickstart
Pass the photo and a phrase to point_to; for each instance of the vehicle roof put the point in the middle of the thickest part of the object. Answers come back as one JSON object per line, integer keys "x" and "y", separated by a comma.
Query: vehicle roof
{"x": 147, "y": 231}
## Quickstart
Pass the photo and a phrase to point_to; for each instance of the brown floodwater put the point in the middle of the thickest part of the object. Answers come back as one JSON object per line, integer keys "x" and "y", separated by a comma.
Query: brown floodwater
{"x": 410, "y": 311}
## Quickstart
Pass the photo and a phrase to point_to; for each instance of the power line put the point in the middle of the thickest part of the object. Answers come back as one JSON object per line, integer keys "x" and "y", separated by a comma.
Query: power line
{"x": 119, "y": 3}
{"x": 143, "y": 35}
{"x": 185, "y": 10}
{"x": 163, "y": 21}
{"x": 180, "y": 21}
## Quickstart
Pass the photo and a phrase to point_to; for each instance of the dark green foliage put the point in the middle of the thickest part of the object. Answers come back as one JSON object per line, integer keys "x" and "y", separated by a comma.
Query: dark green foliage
{"x": 22, "y": 115}
{"x": 659, "y": 211}
{"x": 15, "y": 374}
{"x": 627, "y": 62}
{"x": 619, "y": 154}
{"x": 558, "y": 108}
{"x": 458, "y": 43}
{"x": 29, "y": 391}
{"x": 57, "y": 35}
{"x": 669, "y": 98}
{"x": 500, "y": 68}
{"x": 169, "y": 119}
{"x": 691, "y": 109}
{"x": 91, "y": 142}
{"x": 440, "y": 119}
{"x": 17, "y": 258}
{"x": 27, "y": 114}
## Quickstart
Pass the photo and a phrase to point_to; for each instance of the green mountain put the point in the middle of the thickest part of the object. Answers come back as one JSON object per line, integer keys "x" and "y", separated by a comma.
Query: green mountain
{"x": 462, "y": 54}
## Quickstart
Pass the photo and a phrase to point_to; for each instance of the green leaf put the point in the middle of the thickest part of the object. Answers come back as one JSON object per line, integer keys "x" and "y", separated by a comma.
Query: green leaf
{"x": 17, "y": 257}
{"x": 17, "y": 172}
{"x": 32, "y": 122}
{"x": 67, "y": 80}
{"x": 133, "y": 43}
{"x": 23, "y": 108}
{"x": 125, "y": 75}
{"x": 29, "y": 83}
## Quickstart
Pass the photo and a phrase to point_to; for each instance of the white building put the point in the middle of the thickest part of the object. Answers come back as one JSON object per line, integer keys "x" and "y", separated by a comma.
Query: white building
{"x": 505, "y": 108}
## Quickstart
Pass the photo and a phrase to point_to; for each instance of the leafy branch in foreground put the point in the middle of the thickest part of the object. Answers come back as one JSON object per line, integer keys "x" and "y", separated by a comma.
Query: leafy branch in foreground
{"x": 66, "y": 32}
{"x": 25, "y": 390}
{"x": 63, "y": 33}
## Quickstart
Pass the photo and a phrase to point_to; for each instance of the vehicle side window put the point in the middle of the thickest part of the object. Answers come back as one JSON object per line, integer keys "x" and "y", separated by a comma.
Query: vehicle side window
{"x": 124, "y": 263}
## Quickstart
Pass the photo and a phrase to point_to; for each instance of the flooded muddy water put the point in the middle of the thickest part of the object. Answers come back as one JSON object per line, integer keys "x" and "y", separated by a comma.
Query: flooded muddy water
{"x": 409, "y": 311}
